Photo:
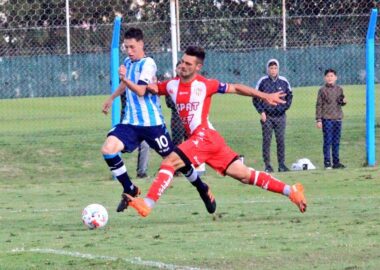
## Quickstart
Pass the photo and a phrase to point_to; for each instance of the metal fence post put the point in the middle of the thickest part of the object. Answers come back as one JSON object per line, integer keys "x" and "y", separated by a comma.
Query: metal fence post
{"x": 370, "y": 90}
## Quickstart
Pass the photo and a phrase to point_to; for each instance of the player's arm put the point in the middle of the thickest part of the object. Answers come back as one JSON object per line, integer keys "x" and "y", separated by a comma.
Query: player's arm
{"x": 139, "y": 88}
{"x": 244, "y": 90}
{"x": 158, "y": 88}
{"x": 153, "y": 88}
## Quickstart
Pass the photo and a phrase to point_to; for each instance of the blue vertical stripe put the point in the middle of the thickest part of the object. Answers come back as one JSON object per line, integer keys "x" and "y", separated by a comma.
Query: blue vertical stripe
{"x": 152, "y": 117}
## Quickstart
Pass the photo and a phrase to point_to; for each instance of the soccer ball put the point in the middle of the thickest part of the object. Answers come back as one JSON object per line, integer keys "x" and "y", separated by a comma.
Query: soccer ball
{"x": 94, "y": 216}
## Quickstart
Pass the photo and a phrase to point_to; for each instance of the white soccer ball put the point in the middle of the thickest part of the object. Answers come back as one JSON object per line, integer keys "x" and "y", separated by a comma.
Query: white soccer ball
{"x": 94, "y": 216}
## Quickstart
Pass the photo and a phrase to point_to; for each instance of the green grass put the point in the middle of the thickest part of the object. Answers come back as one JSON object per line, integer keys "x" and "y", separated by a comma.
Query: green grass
{"x": 51, "y": 167}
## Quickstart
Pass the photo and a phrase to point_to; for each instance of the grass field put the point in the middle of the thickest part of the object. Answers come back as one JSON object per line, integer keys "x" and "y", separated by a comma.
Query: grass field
{"x": 51, "y": 167}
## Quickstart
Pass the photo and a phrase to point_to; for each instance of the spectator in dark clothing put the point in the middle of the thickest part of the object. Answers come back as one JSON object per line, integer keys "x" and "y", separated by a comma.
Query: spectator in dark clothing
{"x": 273, "y": 117}
{"x": 329, "y": 117}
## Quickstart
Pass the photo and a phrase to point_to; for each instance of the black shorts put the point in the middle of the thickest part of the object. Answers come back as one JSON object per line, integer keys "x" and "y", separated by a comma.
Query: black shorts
{"x": 131, "y": 136}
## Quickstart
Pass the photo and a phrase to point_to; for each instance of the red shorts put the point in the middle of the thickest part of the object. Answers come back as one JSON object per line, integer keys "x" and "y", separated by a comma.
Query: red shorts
{"x": 206, "y": 145}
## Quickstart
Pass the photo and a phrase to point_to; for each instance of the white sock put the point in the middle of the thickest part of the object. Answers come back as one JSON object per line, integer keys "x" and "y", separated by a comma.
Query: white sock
{"x": 149, "y": 202}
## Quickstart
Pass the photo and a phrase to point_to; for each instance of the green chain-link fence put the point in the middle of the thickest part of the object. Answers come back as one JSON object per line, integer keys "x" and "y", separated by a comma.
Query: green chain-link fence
{"x": 240, "y": 36}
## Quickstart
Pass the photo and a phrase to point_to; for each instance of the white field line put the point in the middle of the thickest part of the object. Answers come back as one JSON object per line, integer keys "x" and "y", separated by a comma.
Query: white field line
{"x": 136, "y": 260}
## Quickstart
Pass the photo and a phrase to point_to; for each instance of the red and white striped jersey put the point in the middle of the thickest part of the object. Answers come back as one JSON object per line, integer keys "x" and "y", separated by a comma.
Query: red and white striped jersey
{"x": 192, "y": 99}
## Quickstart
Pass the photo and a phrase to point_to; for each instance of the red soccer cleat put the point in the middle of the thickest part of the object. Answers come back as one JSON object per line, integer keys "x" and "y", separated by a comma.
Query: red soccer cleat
{"x": 139, "y": 205}
{"x": 297, "y": 197}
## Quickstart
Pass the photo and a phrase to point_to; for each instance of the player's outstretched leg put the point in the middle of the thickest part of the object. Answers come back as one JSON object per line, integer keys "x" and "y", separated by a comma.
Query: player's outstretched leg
{"x": 202, "y": 188}
{"x": 268, "y": 182}
{"x": 157, "y": 188}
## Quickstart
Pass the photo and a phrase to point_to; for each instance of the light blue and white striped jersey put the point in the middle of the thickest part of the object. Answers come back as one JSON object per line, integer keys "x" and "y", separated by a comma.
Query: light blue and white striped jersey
{"x": 145, "y": 110}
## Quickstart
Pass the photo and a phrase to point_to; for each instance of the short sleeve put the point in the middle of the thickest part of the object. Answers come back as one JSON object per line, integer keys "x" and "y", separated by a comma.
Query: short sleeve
{"x": 148, "y": 71}
{"x": 214, "y": 86}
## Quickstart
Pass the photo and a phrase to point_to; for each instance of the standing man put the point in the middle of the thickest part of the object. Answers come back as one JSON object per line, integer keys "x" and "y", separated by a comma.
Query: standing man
{"x": 273, "y": 117}
{"x": 192, "y": 94}
{"x": 143, "y": 121}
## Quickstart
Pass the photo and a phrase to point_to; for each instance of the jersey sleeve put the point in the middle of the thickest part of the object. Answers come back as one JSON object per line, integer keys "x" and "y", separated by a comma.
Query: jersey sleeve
{"x": 214, "y": 86}
{"x": 162, "y": 91}
{"x": 148, "y": 72}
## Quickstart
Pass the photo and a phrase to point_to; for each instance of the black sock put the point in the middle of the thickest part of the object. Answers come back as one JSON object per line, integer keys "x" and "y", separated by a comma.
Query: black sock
{"x": 117, "y": 167}
{"x": 194, "y": 178}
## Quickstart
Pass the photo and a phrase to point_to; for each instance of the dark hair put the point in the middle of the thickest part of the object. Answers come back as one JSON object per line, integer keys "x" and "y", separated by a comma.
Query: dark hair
{"x": 272, "y": 63}
{"x": 135, "y": 33}
{"x": 196, "y": 51}
{"x": 330, "y": 70}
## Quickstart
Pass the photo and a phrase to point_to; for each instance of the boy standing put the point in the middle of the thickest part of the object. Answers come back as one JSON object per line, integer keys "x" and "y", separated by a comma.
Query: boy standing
{"x": 329, "y": 117}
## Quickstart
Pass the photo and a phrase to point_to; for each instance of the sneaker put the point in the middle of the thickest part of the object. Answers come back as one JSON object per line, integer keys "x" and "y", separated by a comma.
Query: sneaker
{"x": 328, "y": 167}
{"x": 297, "y": 197}
{"x": 283, "y": 168}
{"x": 338, "y": 166}
{"x": 123, "y": 204}
{"x": 268, "y": 169}
{"x": 141, "y": 175}
{"x": 208, "y": 199}
{"x": 139, "y": 205}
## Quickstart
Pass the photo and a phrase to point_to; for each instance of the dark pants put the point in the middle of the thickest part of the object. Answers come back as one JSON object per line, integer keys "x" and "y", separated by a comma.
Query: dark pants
{"x": 278, "y": 124}
{"x": 331, "y": 139}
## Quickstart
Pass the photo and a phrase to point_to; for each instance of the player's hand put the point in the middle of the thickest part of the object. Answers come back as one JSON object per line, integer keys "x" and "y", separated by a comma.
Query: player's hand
{"x": 319, "y": 124}
{"x": 263, "y": 117}
{"x": 122, "y": 72}
{"x": 275, "y": 98}
{"x": 107, "y": 105}
{"x": 153, "y": 88}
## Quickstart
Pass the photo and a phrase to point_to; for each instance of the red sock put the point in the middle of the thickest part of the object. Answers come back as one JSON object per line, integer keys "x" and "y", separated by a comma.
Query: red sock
{"x": 161, "y": 182}
{"x": 266, "y": 181}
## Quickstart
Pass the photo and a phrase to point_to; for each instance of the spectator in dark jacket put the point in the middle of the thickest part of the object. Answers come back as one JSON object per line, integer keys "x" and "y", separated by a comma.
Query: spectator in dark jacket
{"x": 329, "y": 117}
{"x": 273, "y": 117}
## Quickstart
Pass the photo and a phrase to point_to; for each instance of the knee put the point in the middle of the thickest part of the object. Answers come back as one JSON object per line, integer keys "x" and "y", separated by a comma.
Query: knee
{"x": 108, "y": 149}
{"x": 173, "y": 160}
{"x": 243, "y": 175}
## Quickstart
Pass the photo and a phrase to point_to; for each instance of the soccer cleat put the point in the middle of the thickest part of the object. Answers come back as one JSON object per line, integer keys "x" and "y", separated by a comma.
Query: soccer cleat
{"x": 208, "y": 199}
{"x": 123, "y": 204}
{"x": 297, "y": 197}
{"x": 139, "y": 204}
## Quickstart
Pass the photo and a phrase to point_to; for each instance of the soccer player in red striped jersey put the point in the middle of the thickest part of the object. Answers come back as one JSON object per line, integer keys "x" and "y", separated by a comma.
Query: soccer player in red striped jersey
{"x": 192, "y": 94}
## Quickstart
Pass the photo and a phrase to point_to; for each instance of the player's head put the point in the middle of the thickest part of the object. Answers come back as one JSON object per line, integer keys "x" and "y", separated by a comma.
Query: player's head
{"x": 191, "y": 62}
{"x": 272, "y": 68}
{"x": 330, "y": 76}
{"x": 134, "y": 43}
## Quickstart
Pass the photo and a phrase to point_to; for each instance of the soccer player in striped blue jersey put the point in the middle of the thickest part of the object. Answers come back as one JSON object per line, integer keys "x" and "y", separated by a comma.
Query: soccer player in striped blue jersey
{"x": 142, "y": 121}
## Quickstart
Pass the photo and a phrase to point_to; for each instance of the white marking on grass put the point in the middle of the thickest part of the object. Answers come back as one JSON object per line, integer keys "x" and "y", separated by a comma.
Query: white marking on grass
{"x": 88, "y": 256}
